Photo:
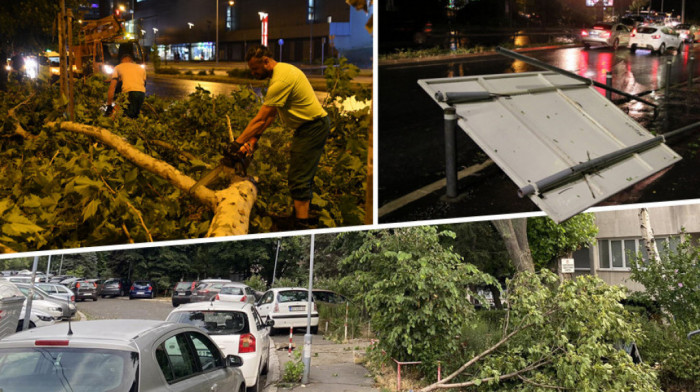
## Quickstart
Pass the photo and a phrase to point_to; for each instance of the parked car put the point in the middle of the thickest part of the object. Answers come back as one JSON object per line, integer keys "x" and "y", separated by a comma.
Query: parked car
{"x": 117, "y": 355}
{"x": 84, "y": 289}
{"x": 115, "y": 287}
{"x": 18, "y": 279}
{"x": 98, "y": 285}
{"x": 182, "y": 293}
{"x": 328, "y": 296}
{"x": 612, "y": 35}
{"x": 688, "y": 33}
{"x": 37, "y": 318}
{"x": 236, "y": 292}
{"x": 287, "y": 307}
{"x": 655, "y": 38}
{"x": 237, "y": 329}
{"x": 142, "y": 289}
{"x": 207, "y": 289}
{"x": 54, "y": 309}
{"x": 67, "y": 307}
{"x": 56, "y": 290}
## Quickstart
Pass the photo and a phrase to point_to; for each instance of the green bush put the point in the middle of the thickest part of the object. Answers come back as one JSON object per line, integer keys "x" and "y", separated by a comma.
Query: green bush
{"x": 287, "y": 282}
{"x": 294, "y": 369}
{"x": 256, "y": 282}
{"x": 676, "y": 357}
{"x": 189, "y": 73}
{"x": 334, "y": 314}
{"x": 202, "y": 73}
{"x": 167, "y": 71}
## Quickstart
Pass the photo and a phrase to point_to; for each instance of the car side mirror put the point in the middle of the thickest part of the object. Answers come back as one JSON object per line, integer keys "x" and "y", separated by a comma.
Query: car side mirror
{"x": 270, "y": 323}
{"x": 234, "y": 361}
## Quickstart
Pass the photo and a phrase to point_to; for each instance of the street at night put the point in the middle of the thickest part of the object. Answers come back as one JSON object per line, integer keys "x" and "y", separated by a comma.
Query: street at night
{"x": 406, "y": 165}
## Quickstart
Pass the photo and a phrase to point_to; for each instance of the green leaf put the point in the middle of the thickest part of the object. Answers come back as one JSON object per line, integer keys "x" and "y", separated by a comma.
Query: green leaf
{"x": 91, "y": 209}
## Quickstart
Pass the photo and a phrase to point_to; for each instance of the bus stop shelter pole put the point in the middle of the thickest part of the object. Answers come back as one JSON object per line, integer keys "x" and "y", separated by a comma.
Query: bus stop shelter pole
{"x": 451, "y": 151}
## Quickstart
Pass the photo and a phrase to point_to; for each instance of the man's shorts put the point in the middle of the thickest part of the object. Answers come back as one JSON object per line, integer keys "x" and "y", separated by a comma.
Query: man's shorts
{"x": 307, "y": 148}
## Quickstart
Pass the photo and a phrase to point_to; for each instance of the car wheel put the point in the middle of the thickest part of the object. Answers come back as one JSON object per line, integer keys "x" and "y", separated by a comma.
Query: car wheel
{"x": 175, "y": 305}
{"x": 130, "y": 297}
{"x": 662, "y": 49}
{"x": 616, "y": 44}
{"x": 94, "y": 299}
{"x": 102, "y": 295}
{"x": 680, "y": 48}
{"x": 586, "y": 46}
{"x": 314, "y": 330}
{"x": 256, "y": 387}
{"x": 153, "y": 295}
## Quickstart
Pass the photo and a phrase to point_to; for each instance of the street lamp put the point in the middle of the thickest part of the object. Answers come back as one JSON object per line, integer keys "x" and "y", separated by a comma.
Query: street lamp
{"x": 190, "y": 24}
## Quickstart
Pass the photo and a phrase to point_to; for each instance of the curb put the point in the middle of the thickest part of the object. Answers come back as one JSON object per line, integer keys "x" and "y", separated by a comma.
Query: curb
{"x": 453, "y": 57}
{"x": 273, "y": 374}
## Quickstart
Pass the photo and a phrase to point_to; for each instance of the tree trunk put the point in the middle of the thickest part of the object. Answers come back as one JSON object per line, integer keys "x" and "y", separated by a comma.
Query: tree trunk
{"x": 514, "y": 234}
{"x": 648, "y": 235}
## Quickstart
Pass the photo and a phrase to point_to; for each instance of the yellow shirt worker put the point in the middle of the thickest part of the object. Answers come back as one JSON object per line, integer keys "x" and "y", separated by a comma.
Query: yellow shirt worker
{"x": 291, "y": 96}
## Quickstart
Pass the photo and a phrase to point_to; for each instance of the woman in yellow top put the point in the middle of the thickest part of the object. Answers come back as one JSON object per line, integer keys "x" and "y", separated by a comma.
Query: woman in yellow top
{"x": 291, "y": 96}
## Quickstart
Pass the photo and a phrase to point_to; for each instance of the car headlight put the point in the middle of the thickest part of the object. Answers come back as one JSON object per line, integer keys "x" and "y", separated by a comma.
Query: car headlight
{"x": 143, "y": 66}
{"x": 44, "y": 318}
{"x": 56, "y": 310}
{"x": 108, "y": 69}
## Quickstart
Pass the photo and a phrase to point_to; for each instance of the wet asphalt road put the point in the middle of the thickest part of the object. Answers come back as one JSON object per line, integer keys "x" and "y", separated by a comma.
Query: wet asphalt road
{"x": 411, "y": 125}
{"x": 180, "y": 88}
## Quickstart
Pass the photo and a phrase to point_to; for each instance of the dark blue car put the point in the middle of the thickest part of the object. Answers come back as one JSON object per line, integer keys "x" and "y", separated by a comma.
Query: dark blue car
{"x": 142, "y": 289}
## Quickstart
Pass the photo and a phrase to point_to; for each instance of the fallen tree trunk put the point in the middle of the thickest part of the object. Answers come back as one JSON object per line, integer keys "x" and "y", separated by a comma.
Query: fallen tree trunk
{"x": 231, "y": 206}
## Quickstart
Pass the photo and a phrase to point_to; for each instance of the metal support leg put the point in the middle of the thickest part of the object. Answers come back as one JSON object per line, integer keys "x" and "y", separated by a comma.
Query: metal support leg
{"x": 451, "y": 151}
{"x": 608, "y": 81}
{"x": 690, "y": 71}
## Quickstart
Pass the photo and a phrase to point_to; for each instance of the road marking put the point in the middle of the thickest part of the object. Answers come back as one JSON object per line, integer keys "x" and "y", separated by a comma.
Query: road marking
{"x": 428, "y": 189}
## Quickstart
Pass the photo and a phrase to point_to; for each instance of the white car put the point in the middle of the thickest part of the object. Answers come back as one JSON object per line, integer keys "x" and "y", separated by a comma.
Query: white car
{"x": 287, "y": 306}
{"x": 51, "y": 308}
{"x": 237, "y": 328}
{"x": 655, "y": 38}
{"x": 236, "y": 292}
{"x": 612, "y": 35}
{"x": 37, "y": 318}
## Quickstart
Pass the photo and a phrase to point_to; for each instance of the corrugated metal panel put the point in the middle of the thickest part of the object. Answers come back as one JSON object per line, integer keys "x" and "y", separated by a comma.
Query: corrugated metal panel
{"x": 541, "y": 123}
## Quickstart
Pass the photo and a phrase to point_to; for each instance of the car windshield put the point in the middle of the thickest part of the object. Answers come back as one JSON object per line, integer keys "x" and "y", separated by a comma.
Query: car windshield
{"x": 232, "y": 290}
{"x": 183, "y": 286}
{"x": 602, "y": 26}
{"x": 293, "y": 296}
{"x": 68, "y": 369}
{"x": 221, "y": 322}
{"x": 646, "y": 30}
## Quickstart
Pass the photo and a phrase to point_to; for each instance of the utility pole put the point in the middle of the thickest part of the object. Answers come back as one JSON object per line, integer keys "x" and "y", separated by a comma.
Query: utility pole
{"x": 217, "y": 33}
{"x": 277, "y": 254}
{"x": 306, "y": 356}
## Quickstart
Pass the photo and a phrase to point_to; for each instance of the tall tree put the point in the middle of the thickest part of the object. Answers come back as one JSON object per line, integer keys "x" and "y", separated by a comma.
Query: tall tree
{"x": 514, "y": 235}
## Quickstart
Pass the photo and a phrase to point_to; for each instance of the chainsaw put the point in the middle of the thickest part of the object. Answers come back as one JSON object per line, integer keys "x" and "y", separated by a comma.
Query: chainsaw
{"x": 238, "y": 161}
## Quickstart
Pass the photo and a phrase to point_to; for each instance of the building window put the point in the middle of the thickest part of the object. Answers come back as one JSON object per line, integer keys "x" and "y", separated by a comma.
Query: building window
{"x": 619, "y": 254}
{"x": 231, "y": 18}
{"x": 311, "y": 14}
{"x": 582, "y": 259}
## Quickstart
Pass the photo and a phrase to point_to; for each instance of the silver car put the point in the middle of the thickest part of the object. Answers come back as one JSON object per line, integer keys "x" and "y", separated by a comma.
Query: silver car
{"x": 612, "y": 35}
{"x": 119, "y": 356}
{"x": 56, "y": 290}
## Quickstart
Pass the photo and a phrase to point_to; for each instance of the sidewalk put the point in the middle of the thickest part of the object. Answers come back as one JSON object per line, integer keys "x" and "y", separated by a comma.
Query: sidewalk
{"x": 333, "y": 367}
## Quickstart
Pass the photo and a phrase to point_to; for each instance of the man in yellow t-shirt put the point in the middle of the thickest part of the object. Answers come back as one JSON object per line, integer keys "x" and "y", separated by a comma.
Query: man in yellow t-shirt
{"x": 133, "y": 79}
{"x": 291, "y": 96}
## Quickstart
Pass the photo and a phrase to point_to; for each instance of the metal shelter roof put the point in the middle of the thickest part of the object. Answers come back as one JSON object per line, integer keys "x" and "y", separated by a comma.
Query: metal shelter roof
{"x": 563, "y": 144}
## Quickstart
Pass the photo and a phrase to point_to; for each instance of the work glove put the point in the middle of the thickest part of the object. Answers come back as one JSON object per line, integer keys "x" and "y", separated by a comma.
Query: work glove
{"x": 109, "y": 110}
